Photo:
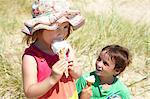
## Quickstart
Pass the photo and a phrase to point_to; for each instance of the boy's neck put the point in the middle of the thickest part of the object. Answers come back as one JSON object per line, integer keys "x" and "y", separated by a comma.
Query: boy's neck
{"x": 107, "y": 80}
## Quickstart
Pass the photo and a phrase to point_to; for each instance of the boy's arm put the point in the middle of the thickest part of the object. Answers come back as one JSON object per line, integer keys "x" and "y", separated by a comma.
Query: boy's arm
{"x": 80, "y": 84}
{"x": 84, "y": 90}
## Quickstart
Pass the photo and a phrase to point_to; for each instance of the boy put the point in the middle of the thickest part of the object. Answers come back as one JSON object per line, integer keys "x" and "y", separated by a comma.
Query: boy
{"x": 111, "y": 61}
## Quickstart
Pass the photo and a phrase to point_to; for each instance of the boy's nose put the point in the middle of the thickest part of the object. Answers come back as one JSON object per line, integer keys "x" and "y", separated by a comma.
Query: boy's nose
{"x": 99, "y": 63}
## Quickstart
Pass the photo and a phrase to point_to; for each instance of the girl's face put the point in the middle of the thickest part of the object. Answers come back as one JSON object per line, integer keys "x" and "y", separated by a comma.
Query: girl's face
{"x": 63, "y": 30}
{"x": 105, "y": 66}
{"x": 48, "y": 36}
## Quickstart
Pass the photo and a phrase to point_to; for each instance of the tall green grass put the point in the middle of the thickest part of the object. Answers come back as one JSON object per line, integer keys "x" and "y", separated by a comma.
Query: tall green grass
{"x": 12, "y": 13}
{"x": 99, "y": 30}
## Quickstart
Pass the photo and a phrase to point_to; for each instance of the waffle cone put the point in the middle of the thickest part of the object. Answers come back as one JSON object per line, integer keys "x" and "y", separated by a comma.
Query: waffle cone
{"x": 62, "y": 55}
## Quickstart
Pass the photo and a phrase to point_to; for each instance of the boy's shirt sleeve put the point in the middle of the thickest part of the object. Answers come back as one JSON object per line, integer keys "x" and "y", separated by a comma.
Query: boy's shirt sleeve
{"x": 125, "y": 94}
{"x": 80, "y": 84}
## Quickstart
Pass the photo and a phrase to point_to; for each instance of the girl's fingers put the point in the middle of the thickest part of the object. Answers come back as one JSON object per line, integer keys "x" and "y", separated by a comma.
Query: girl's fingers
{"x": 70, "y": 61}
{"x": 70, "y": 64}
{"x": 61, "y": 65}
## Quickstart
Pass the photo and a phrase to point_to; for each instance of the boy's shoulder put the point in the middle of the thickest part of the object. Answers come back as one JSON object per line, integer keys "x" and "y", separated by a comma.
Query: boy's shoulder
{"x": 87, "y": 74}
{"x": 120, "y": 87}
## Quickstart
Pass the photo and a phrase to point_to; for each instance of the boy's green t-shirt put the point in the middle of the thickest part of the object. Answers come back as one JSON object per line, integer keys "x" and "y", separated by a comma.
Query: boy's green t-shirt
{"x": 117, "y": 91}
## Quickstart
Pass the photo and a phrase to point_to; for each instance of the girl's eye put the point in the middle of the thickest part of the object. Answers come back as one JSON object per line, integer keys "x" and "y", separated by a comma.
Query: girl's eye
{"x": 66, "y": 26}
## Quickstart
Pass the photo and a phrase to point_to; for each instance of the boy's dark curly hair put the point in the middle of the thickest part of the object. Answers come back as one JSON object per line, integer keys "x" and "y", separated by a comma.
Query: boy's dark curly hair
{"x": 120, "y": 55}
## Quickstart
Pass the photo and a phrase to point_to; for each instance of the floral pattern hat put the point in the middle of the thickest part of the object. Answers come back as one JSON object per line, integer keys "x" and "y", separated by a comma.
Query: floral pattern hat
{"x": 48, "y": 14}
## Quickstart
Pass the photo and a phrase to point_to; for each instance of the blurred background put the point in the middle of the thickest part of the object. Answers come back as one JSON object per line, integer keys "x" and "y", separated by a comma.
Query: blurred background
{"x": 123, "y": 22}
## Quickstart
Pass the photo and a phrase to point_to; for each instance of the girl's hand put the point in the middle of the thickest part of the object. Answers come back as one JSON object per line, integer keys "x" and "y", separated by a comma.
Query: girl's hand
{"x": 86, "y": 93}
{"x": 73, "y": 68}
{"x": 74, "y": 71}
{"x": 59, "y": 68}
{"x": 71, "y": 55}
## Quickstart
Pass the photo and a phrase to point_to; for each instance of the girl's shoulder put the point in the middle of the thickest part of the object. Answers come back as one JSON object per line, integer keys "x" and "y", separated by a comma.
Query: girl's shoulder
{"x": 31, "y": 50}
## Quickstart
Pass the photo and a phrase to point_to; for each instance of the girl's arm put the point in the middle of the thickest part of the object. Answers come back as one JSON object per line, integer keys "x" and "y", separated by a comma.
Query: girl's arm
{"x": 34, "y": 89}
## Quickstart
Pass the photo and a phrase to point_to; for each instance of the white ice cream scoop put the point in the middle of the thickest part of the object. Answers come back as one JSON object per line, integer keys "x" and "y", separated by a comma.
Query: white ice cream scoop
{"x": 58, "y": 45}
{"x": 61, "y": 47}
{"x": 90, "y": 80}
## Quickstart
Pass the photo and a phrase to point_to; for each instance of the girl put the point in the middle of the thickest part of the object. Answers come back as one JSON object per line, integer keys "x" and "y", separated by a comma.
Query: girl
{"x": 43, "y": 71}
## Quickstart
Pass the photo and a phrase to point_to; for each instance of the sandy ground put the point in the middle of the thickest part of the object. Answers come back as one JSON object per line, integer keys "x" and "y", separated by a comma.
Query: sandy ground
{"x": 134, "y": 10}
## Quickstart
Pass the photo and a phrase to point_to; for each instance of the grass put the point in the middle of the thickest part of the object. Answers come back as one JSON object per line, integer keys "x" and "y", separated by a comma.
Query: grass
{"x": 99, "y": 31}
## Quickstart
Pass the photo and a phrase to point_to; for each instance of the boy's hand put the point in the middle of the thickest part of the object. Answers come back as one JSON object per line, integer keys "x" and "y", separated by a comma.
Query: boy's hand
{"x": 58, "y": 69}
{"x": 86, "y": 93}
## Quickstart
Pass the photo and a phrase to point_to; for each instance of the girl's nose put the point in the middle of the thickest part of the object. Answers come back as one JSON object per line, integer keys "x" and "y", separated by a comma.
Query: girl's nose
{"x": 59, "y": 35}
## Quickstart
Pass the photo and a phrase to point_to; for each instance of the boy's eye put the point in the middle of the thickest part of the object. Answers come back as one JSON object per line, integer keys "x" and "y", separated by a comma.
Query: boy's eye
{"x": 105, "y": 63}
{"x": 99, "y": 59}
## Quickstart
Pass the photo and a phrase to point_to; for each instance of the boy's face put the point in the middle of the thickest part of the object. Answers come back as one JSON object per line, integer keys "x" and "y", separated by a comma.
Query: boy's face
{"x": 105, "y": 66}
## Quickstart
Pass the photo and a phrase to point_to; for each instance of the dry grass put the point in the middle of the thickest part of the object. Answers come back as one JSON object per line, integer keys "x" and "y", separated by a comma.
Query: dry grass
{"x": 100, "y": 30}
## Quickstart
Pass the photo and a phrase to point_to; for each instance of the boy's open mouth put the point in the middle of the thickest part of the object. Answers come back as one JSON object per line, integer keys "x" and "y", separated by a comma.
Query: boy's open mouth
{"x": 98, "y": 69}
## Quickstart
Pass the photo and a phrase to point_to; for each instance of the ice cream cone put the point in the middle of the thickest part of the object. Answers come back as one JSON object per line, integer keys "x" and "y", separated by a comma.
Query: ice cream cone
{"x": 90, "y": 80}
{"x": 62, "y": 55}
{"x": 61, "y": 48}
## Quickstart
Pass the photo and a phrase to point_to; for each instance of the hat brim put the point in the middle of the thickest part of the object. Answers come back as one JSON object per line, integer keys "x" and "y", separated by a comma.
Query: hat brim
{"x": 76, "y": 22}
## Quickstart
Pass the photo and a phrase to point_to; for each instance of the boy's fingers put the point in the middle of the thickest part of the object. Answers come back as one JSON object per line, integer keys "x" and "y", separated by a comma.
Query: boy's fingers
{"x": 88, "y": 87}
{"x": 87, "y": 90}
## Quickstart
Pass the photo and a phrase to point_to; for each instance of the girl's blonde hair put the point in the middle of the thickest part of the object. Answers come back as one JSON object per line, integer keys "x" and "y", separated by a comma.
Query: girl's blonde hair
{"x": 28, "y": 39}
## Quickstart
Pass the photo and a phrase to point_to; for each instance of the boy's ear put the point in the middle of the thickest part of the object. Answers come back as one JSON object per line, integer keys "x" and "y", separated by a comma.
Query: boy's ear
{"x": 117, "y": 71}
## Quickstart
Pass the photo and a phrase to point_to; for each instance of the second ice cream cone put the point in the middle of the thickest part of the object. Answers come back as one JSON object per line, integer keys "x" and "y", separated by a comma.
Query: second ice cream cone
{"x": 90, "y": 80}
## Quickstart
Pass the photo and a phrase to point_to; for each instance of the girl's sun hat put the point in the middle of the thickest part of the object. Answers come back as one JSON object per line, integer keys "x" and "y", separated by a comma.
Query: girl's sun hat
{"x": 49, "y": 14}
